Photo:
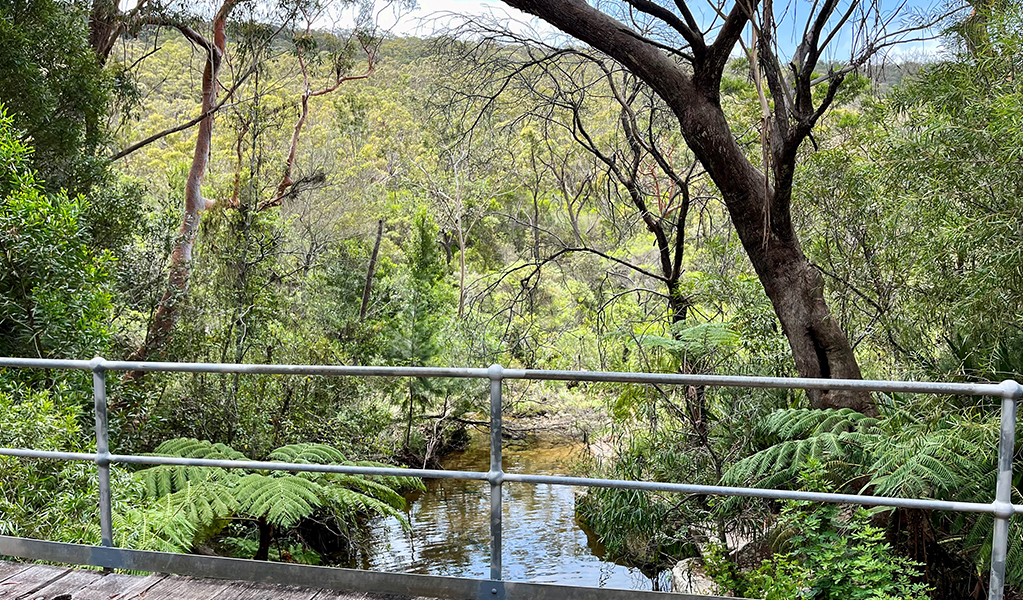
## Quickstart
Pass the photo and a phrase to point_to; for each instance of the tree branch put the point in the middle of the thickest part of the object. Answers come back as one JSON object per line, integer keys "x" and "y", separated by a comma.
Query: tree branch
{"x": 692, "y": 36}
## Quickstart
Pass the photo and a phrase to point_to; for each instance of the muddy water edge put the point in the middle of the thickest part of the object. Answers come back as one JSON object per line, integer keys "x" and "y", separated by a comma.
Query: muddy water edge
{"x": 543, "y": 540}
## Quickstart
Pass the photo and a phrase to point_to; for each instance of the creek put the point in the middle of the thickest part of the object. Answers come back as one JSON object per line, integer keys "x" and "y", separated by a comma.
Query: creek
{"x": 543, "y": 540}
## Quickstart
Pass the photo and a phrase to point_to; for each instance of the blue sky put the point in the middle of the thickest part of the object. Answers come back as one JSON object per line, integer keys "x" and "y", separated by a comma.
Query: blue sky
{"x": 436, "y": 14}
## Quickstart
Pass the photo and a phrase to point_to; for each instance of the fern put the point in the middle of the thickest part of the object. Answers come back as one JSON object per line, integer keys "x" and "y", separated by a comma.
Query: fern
{"x": 204, "y": 503}
{"x": 318, "y": 454}
{"x": 393, "y": 481}
{"x": 948, "y": 457}
{"x": 699, "y": 340}
{"x": 282, "y": 500}
{"x": 834, "y": 438}
{"x": 193, "y": 448}
{"x": 192, "y": 500}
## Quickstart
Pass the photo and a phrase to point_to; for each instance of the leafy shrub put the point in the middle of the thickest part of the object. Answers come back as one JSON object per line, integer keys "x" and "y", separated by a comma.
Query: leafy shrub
{"x": 832, "y": 556}
{"x": 53, "y": 297}
{"x": 45, "y": 499}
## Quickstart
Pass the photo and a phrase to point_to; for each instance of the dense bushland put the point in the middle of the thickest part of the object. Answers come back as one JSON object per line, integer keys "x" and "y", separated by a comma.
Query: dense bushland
{"x": 357, "y": 198}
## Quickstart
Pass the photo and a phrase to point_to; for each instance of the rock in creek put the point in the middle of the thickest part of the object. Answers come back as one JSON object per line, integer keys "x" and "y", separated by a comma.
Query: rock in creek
{"x": 688, "y": 577}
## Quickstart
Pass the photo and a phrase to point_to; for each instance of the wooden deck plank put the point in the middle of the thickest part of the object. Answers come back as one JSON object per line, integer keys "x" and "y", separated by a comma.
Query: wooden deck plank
{"x": 339, "y": 595}
{"x": 24, "y": 581}
{"x": 10, "y": 569}
{"x": 265, "y": 591}
{"x": 31, "y": 579}
{"x": 69, "y": 584}
{"x": 184, "y": 588}
{"x": 119, "y": 587}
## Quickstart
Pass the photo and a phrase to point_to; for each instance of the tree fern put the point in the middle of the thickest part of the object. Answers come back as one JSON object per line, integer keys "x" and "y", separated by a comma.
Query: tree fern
{"x": 947, "y": 457}
{"x": 835, "y": 438}
{"x": 192, "y": 500}
{"x": 193, "y": 448}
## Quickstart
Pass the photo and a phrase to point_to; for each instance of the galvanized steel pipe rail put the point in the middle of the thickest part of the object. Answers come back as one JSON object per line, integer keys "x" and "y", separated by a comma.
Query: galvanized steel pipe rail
{"x": 108, "y": 556}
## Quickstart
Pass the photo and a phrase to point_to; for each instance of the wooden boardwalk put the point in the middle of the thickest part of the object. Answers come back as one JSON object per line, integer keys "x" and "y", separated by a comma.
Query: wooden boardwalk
{"x": 22, "y": 581}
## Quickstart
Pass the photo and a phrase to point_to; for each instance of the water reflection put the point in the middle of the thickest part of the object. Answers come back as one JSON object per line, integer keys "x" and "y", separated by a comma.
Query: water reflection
{"x": 543, "y": 541}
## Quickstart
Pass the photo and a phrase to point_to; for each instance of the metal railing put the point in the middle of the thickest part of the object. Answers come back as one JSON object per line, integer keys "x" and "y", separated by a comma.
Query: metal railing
{"x": 495, "y": 587}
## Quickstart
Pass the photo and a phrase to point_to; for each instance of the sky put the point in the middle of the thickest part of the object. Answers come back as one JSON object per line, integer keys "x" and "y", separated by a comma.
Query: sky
{"x": 435, "y": 15}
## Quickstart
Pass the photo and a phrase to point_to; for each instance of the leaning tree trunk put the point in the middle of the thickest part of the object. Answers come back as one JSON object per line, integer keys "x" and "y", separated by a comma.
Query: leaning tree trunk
{"x": 169, "y": 309}
{"x": 760, "y": 213}
{"x": 370, "y": 271}
{"x": 763, "y": 220}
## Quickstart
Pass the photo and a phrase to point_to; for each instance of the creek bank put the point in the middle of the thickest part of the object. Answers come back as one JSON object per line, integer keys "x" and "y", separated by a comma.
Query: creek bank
{"x": 688, "y": 576}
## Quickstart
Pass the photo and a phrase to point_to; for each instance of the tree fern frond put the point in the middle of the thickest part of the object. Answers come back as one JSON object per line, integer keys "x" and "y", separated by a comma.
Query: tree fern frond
{"x": 371, "y": 488}
{"x": 193, "y": 448}
{"x": 348, "y": 500}
{"x": 797, "y": 423}
{"x": 319, "y": 454}
{"x": 162, "y": 480}
{"x": 786, "y": 459}
{"x": 283, "y": 500}
{"x": 394, "y": 481}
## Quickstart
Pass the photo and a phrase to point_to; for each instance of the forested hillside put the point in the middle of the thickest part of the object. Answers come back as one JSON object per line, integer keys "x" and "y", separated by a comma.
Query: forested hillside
{"x": 293, "y": 184}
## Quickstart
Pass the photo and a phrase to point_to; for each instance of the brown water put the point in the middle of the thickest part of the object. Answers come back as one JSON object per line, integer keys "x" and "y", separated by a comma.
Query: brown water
{"x": 543, "y": 540}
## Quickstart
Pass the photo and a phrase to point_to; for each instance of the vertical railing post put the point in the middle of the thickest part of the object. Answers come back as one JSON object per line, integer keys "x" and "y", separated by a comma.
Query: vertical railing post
{"x": 496, "y": 474}
{"x": 99, "y": 393}
{"x": 1003, "y": 492}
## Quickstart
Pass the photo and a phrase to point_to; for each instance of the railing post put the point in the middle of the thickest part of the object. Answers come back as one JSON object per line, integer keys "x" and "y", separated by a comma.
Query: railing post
{"x": 496, "y": 474}
{"x": 99, "y": 393}
{"x": 1003, "y": 492}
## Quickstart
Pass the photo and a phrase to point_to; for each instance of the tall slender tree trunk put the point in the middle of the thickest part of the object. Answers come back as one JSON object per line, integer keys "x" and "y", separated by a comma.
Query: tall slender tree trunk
{"x": 169, "y": 309}
{"x": 461, "y": 263}
{"x": 370, "y": 271}
{"x": 408, "y": 426}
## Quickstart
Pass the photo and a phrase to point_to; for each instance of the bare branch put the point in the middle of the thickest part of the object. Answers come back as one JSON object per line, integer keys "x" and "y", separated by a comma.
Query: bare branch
{"x": 690, "y": 35}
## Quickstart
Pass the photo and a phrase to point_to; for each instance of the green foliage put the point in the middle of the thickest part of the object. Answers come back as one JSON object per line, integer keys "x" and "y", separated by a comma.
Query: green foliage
{"x": 636, "y": 526}
{"x": 45, "y": 499}
{"x": 54, "y": 301}
{"x": 904, "y": 453}
{"x": 832, "y": 556}
{"x": 934, "y": 165}
{"x": 55, "y": 89}
{"x": 192, "y": 503}
{"x": 696, "y": 342}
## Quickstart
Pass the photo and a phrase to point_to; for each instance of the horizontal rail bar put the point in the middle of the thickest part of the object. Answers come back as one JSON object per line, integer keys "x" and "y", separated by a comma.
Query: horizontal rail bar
{"x": 650, "y": 486}
{"x": 299, "y": 467}
{"x": 870, "y": 385}
{"x": 432, "y": 586}
{"x": 248, "y": 464}
{"x": 73, "y": 456}
{"x": 923, "y": 387}
{"x": 255, "y": 369}
{"x": 683, "y": 488}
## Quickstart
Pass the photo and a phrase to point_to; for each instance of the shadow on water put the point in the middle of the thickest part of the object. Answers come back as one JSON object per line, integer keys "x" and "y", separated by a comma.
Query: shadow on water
{"x": 543, "y": 540}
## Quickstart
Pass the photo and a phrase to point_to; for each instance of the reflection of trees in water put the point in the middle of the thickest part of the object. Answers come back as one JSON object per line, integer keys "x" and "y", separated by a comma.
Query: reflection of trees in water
{"x": 543, "y": 541}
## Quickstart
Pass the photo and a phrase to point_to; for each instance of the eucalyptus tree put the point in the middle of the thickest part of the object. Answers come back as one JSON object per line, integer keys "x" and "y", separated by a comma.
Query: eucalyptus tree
{"x": 320, "y": 55}
{"x": 674, "y": 53}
